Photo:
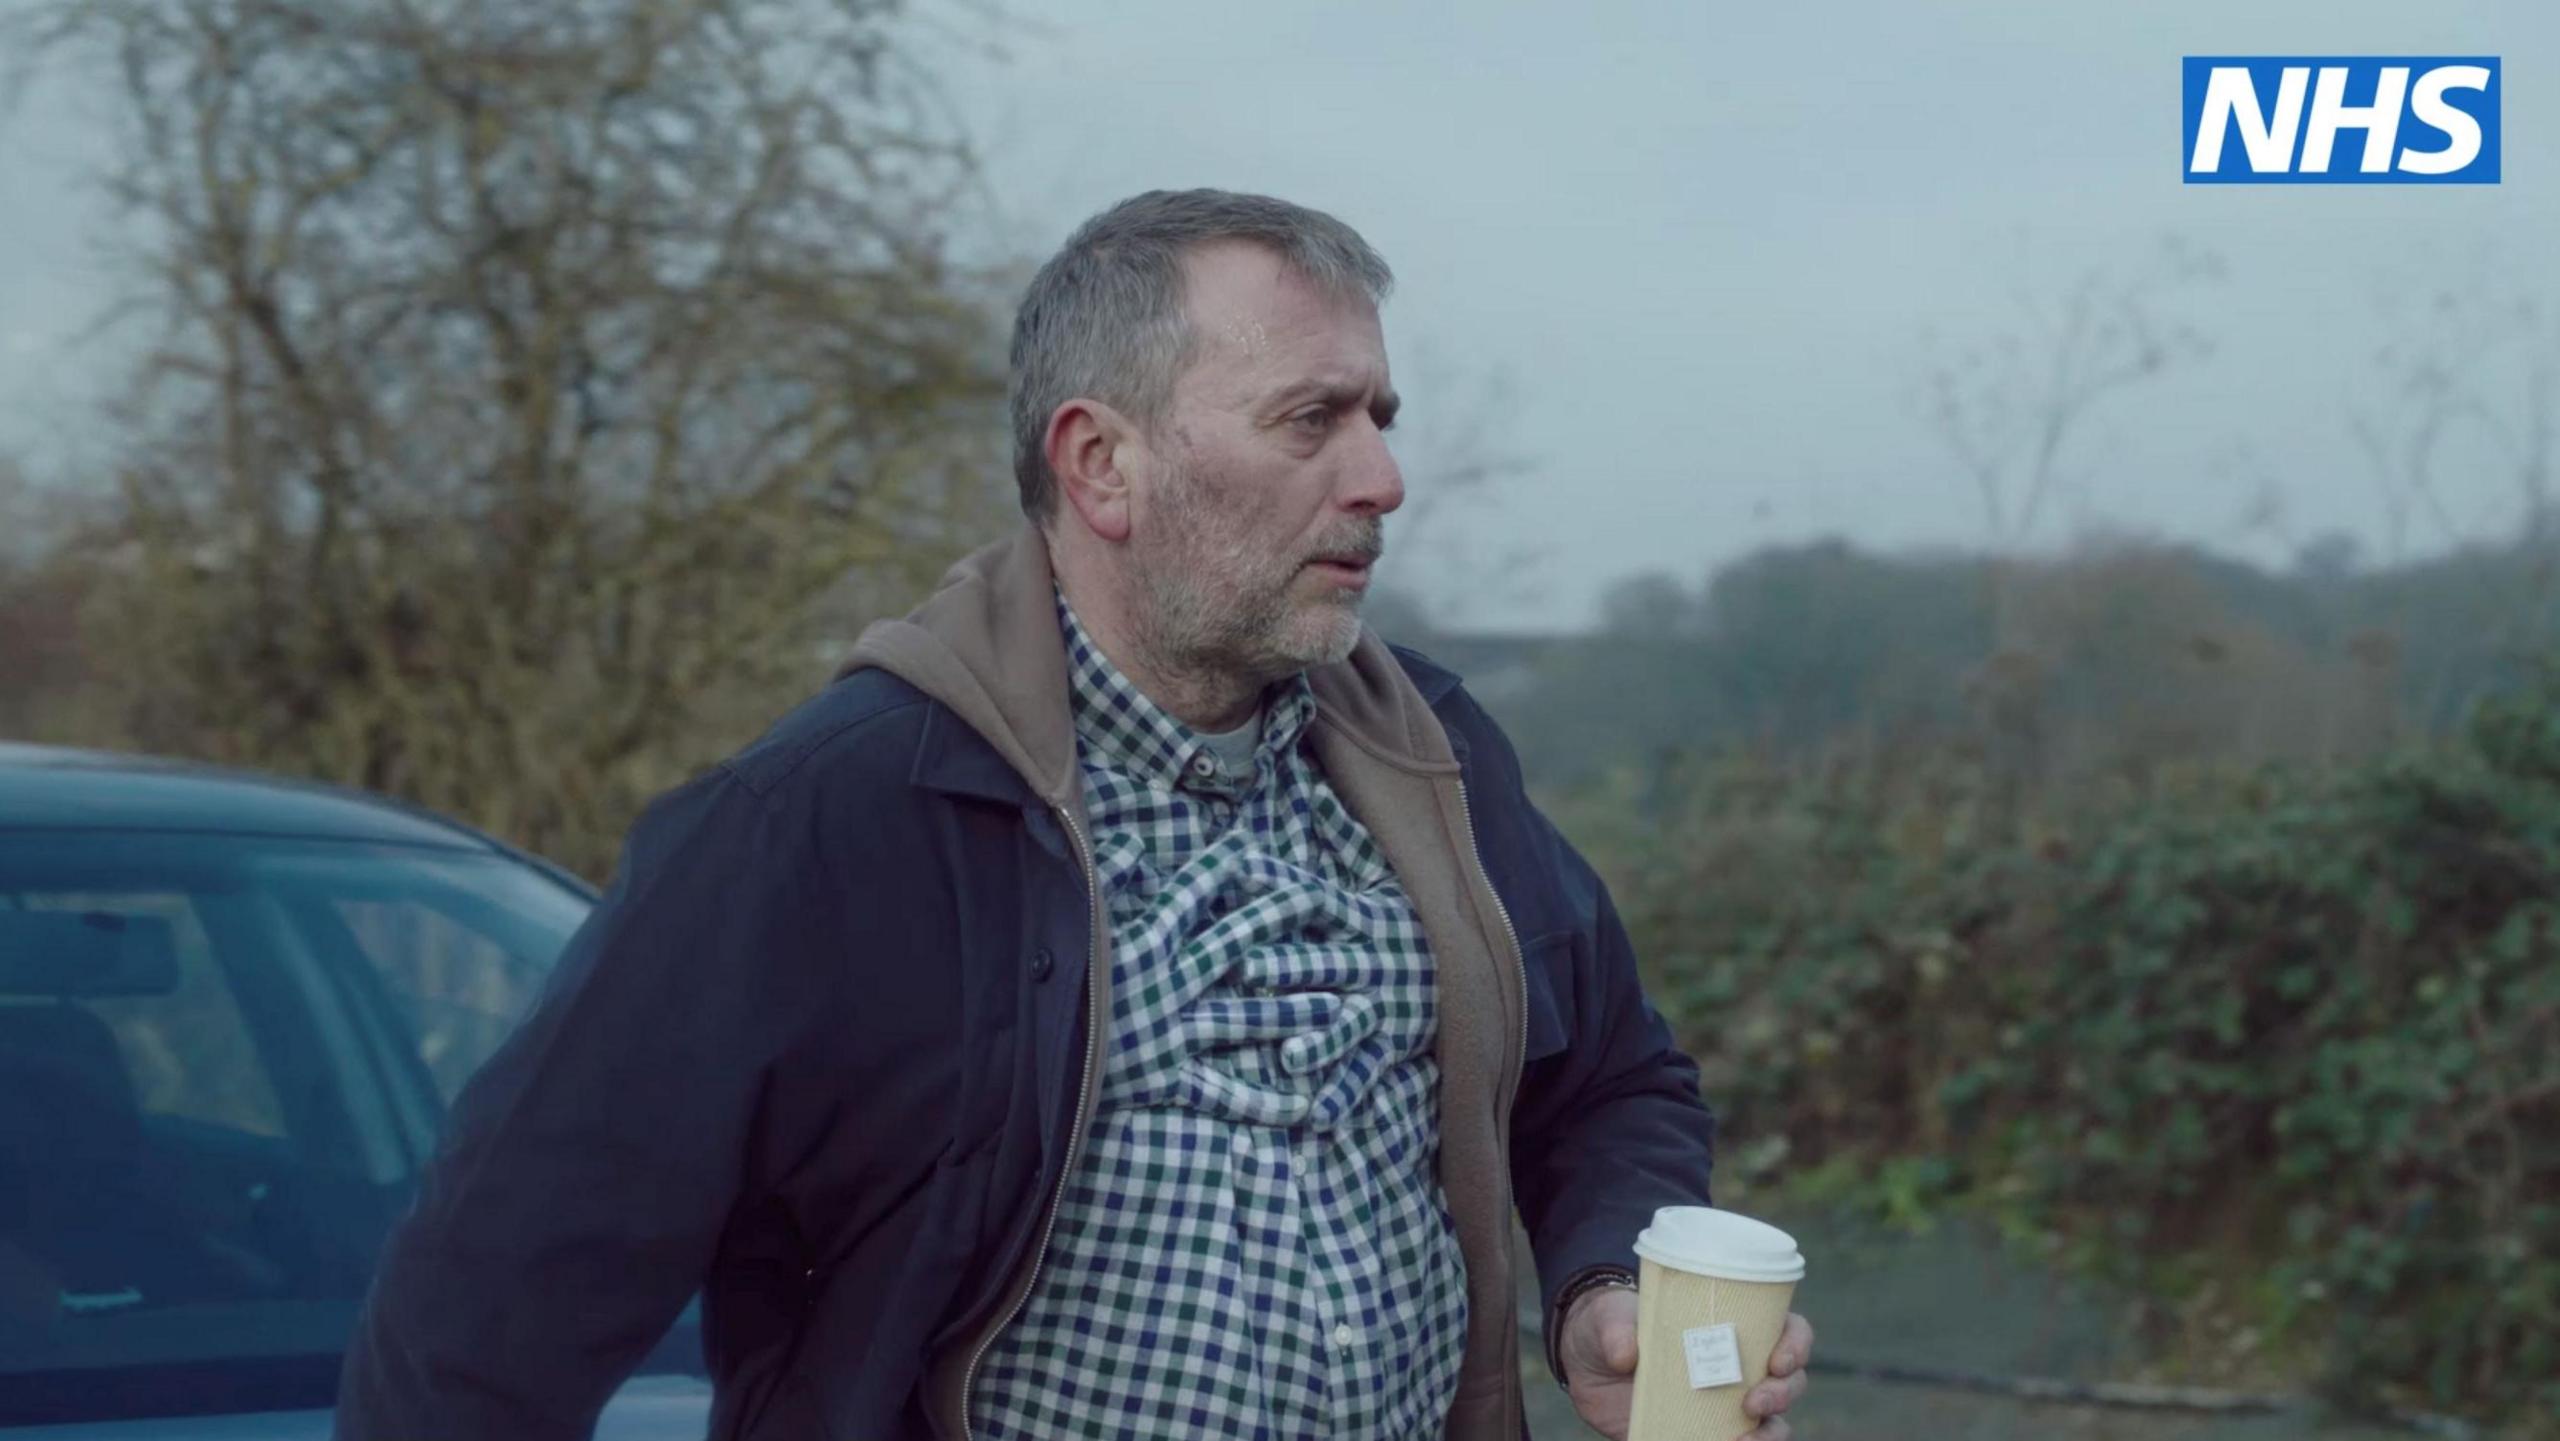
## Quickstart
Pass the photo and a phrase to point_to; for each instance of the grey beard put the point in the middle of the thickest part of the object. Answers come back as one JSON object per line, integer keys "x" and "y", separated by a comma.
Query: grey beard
{"x": 1187, "y": 629}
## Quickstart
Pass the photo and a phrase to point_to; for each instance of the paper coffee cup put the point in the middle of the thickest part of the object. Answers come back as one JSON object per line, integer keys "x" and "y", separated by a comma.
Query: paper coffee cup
{"x": 1711, "y": 1299}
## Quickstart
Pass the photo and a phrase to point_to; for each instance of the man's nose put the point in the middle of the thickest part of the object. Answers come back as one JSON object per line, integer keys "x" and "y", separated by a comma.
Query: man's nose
{"x": 1373, "y": 483}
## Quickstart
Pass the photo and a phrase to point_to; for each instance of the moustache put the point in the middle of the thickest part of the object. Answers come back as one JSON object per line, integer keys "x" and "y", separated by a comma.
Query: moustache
{"x": 1360, "y": 547}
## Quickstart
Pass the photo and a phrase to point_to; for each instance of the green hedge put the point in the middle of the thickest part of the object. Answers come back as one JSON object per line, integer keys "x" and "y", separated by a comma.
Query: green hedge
{"x": 2296, "y": 1030}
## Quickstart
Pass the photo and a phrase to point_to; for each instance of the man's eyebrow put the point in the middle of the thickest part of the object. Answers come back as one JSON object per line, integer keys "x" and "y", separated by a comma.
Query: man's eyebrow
{"x": 1337, "y": 393}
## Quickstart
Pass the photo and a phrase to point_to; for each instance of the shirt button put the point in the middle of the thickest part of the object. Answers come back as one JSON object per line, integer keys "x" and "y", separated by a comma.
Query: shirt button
{"x": 1343, "y": 1336}
{"x": 1042, "y": 963}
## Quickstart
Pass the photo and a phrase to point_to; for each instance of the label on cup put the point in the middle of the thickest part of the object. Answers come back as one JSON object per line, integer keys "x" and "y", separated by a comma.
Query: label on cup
{"x": 1714, "y": 1359}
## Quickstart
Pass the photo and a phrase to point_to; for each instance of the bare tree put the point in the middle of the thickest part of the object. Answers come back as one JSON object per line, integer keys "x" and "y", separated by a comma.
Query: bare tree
{"x": 42, "y": 589}
{"x": 524, "y": 375}
{"x": 2465, "y": 388}
{"x": 2468, "y": 375}
{"x": 2008, "y": 402}
{"x": 1454, "y": 445}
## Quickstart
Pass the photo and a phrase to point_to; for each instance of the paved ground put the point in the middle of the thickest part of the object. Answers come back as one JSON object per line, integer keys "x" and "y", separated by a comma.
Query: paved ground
{"x": 1955, "y": 1302}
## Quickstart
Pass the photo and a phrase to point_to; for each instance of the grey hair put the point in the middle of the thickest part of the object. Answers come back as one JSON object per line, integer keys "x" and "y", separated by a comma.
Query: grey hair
{"x": 1104, "y": 316}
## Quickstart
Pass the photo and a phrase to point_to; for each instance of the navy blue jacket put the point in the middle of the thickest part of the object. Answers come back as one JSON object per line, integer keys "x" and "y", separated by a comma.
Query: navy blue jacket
{"x": 846, "y": 1161}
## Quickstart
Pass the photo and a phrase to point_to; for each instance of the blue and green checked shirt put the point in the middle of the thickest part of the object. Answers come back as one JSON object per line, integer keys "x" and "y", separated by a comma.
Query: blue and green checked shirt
{"x": 1253, "y": 1243}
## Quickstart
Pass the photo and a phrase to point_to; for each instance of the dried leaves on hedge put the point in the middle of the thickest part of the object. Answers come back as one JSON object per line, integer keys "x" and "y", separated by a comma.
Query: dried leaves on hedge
{"x": 2286, "y": 1041}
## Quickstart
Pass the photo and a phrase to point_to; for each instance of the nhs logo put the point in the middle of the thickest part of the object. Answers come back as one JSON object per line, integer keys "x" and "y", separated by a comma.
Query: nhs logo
{"x": 2341, "y": 119}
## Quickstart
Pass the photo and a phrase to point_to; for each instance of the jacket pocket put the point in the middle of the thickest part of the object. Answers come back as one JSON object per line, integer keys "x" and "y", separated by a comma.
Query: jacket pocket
{"x": 1549, "y": 961}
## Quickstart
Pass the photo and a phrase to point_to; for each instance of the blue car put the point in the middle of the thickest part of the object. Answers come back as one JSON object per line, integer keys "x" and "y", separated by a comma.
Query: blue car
{"x": 232, "y": 1011}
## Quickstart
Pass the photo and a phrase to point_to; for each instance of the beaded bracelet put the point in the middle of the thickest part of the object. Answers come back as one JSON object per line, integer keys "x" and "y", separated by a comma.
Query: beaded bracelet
{"x": 1590, "y": 1280}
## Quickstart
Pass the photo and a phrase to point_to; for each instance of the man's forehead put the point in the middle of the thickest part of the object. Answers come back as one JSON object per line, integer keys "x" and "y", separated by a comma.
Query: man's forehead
{"x": 1248, "y": 304}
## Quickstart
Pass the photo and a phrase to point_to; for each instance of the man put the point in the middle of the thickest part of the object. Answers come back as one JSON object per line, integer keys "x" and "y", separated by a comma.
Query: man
{"x": 1131, "y": 1001}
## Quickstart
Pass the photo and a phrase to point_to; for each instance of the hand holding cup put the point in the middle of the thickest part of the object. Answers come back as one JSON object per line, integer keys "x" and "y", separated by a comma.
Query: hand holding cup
{"x": 1717, "y": 1349}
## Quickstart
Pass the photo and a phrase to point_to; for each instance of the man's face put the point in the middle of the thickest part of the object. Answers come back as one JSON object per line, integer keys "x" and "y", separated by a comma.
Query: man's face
{"x": 1259, "y": 512}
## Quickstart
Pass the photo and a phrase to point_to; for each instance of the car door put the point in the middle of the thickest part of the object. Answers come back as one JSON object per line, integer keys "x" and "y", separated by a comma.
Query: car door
{"x": 223, "y": 1061}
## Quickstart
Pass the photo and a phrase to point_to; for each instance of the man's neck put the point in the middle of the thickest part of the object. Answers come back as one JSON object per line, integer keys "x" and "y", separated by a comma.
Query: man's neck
{"x": 1202, "y": 697}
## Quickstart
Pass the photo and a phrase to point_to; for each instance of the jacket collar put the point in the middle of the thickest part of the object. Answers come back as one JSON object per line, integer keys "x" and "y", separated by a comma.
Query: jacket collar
{"x": 1433, "y": 682}
{"x": 987, "y": 644}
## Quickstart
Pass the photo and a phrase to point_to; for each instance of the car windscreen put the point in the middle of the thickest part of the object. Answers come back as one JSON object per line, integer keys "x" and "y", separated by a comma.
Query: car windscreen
{"x": 223, "y": 1060}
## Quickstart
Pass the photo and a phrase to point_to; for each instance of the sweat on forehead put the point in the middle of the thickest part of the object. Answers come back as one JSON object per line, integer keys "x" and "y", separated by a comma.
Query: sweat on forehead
{"x": 1249, "y": 336}
{"x": 1236, "y": 295}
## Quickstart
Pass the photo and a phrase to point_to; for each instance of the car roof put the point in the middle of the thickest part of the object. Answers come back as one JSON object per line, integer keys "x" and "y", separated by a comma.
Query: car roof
{"x": 60, "y": 788}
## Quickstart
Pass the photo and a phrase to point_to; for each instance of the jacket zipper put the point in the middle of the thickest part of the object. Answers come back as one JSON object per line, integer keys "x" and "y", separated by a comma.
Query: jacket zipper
{"x": 1075, "y": 1132}
{"x": 1467, "y": 814}
{"x": 1475, "y": 855}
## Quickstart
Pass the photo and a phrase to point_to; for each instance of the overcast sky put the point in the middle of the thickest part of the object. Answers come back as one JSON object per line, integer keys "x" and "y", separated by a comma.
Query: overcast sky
{"x": 1694, "y": 248}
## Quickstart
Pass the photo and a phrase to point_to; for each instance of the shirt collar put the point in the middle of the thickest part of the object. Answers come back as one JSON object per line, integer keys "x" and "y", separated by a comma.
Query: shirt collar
{"x": 1119, "y": 727}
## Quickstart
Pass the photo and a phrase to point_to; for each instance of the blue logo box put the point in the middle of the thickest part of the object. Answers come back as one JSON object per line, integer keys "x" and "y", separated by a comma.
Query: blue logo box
{"x": 2341, "y": 120}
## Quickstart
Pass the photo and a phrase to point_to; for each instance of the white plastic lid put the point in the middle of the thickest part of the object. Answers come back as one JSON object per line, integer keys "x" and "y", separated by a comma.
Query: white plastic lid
{"x": 1704, "y": 1241}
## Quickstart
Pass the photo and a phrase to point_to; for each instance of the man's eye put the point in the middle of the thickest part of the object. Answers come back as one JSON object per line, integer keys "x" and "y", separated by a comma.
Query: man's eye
{"x": 1316, "y": 419}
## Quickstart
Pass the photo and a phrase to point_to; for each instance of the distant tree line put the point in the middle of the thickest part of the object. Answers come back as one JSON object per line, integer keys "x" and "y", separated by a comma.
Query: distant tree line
{"x": 2114, "y": 659}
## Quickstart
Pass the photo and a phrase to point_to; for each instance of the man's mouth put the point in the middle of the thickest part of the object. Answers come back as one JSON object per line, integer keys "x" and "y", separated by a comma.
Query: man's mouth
{"x": 1349, "y": 570}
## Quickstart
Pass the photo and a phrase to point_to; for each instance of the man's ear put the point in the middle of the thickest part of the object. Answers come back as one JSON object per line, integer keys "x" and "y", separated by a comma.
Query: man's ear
{"x": 1091, "y": 448}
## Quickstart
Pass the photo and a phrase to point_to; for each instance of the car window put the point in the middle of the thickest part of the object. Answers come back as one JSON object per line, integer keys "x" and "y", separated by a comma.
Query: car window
{"x": 461, "y": 988}
{"x": 222, "y": 1062}
{"x": 188, "y": 1052}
